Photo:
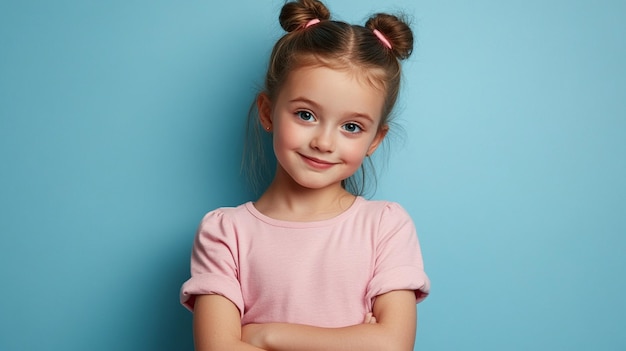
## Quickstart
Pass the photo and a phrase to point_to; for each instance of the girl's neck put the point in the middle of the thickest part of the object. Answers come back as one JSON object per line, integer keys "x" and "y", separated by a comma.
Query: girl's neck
{"x": 285, "y": 200}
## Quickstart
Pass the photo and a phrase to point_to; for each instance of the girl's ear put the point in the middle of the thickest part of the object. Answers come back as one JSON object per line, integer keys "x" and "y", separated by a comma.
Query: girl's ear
{"x": 264, "y": 106}
{"x": 380, "y": 136}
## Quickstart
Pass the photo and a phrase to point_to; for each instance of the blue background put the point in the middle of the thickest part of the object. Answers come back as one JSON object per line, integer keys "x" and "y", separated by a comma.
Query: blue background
{"x": 121, "y": 124}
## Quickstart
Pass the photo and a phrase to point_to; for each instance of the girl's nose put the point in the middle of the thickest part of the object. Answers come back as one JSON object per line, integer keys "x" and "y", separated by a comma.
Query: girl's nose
{"x": 323, "y": 140}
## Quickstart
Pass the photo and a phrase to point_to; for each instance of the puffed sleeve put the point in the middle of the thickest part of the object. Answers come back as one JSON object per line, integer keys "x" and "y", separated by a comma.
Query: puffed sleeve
{"x": 214, "y": 258}
{"x": 398, "y": 263}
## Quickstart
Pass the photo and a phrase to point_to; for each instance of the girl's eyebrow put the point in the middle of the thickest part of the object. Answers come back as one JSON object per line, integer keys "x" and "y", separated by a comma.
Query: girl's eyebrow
{"x": 317, "y": 107}
{"x": 305, "y": 100}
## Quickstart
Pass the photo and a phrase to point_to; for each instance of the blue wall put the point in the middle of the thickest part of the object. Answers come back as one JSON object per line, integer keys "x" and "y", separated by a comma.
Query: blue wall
{"x": 121, "y": 124}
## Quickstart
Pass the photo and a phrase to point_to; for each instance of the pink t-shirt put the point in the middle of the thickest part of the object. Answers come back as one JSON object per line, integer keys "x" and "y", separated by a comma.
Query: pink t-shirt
{"x": 323, "y": 273}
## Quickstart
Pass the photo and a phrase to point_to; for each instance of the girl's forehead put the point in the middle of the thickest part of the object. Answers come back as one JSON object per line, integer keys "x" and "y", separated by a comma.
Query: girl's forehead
{"x": 328, "y": 79}
{"x": 371, "y": 76}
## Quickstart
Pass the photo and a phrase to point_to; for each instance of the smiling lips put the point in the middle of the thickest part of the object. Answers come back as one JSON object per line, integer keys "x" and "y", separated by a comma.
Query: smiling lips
{"x": 317, "y": 163}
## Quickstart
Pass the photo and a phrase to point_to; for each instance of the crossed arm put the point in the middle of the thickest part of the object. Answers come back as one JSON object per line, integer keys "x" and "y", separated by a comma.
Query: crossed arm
{"x": 217, "y": 326}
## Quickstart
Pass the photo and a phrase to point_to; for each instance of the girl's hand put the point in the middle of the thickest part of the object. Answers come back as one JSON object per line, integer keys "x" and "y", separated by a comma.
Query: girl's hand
{"x": 369, "y": 319}
{"x": 254, "y": 334}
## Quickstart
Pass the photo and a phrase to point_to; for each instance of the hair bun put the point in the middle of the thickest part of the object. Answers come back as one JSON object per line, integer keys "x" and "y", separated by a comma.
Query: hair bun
{"x": 396, "y": 31}
{"x": 295, "y": 15}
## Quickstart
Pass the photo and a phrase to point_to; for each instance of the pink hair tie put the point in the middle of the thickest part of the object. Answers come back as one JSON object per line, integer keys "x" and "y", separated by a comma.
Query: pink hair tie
{"x": 382, "y": 38}
{"x": 312, "y": 22}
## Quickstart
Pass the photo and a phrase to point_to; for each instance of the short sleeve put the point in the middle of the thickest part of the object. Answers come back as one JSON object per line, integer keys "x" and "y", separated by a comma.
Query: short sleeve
{"x": 398, "y": 263}
{"x": 214, "y": 257}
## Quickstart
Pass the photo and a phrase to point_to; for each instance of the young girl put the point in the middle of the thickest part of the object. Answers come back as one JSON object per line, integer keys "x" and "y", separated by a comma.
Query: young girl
{"x": 311, "y": 265}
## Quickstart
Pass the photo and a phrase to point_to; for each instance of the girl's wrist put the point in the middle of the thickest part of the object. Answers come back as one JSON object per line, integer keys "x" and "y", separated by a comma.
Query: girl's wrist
{"x": 270, "y": 335}
{"x": 254, "y": 334}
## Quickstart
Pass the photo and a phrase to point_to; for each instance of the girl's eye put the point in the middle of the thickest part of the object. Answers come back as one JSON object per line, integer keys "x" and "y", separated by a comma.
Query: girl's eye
{"x": 352, "y": 128}
{"x": 305, "y": 115}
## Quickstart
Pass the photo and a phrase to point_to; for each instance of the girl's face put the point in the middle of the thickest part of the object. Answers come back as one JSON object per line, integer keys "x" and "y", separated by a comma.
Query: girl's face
{"x": 325, "y": 122}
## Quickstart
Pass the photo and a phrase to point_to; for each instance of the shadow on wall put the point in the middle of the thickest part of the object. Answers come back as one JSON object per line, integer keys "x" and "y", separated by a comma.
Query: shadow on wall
{"x": 208, "y": 152}
{"x": 172, "y": 324}
{"x": 223, "y": 183}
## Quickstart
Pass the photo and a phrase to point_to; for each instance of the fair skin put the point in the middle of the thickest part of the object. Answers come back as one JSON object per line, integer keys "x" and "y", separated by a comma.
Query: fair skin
{"x": 325, "y": 122}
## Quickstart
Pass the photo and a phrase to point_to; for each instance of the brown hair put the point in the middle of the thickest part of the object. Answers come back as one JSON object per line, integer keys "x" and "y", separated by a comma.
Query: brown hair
{"x": 337, "y": 45}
